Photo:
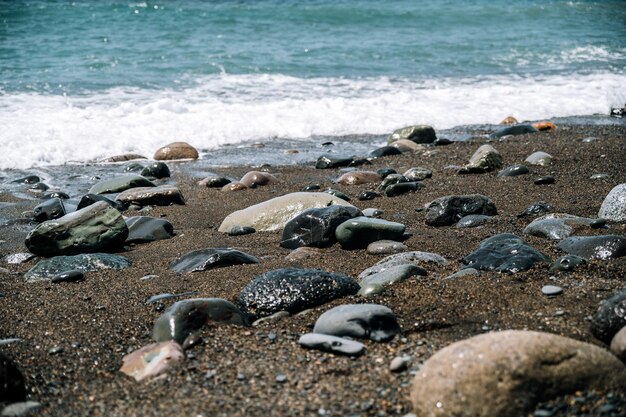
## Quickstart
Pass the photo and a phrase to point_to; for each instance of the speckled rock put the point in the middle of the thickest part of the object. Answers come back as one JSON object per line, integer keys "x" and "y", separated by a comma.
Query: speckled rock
{"x": 293, "y": 290}
{"x": 50, "y": 209}
{"x": 253, "y": 179}
{"x": 539, "y": 158}
{"x": 163, "y": 195}
{"x": 473, "y": 220}
{"x": 361, "y": 231}
{"x": 416, "y": 133}
{"x": 366, "y": 321}
{"x": 418, "y": 174}
{"x": 316, "y": 227}
{"x": 187, "y": 316}
{"x": 618, "y": 344}
{"x": 513, "y": 171}
{"x": 415, "y": 258}
{"x": 614, "y": 205}
{"x": 567, "y": 263}
{"x": 504, "y": 253}
{"x": 555, "y": 226}
{"x": 358, "y": 177}
{"x": 485, "y": 159}
{"x": 375, "y": 283}
{"x": 385, "y": 247}
{"x": 595, "y": 247}
{"x": 520, "y": 129}
{"x": 446, "y": 211}
{"x": 507, "y": 373}
{"x": 303, "y": 253}
{"x": 148, "y": 229}
{"x": 48, "y": 268}
{"x": 206, "y": 259}
{"x": 332, "y": 344}
{"x": 120, "y": 183}
{"x": 152, "y": 360}
{"x": 176, "y": 150}
{"x": 610, "y": 317}
{"x": 11, "y": 381}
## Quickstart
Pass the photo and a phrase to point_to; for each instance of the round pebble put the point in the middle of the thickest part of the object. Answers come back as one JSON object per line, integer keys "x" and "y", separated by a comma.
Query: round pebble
{"x": 551, "y": 290}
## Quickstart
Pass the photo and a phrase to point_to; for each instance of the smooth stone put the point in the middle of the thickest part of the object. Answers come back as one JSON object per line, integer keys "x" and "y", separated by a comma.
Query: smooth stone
{"x": 385, "y": 247}
{"x": 520, "y": 129}
{"x": 400, "y": 363}
{"x": 504, "y": 253}
{"x": 11, "y": 381}
{"x": 120, "y": 183}
{"x": 156, "y": 170}
{"x": 253, "y": 179}
{"x": 473, "y": 220}
{"x": 390, "y": 180}
{"x": 39, "y": 187}
{"x": 367, "y": 195}
{"x": 545, "y": 180}
{"x": 361, "y": 231}
{"x": 163, "y": 195}
{"x": 366, "y": 321}
{"x": 567, "y": 263}
{"x": 610, "y": 317}
{"x": 123, "y": 158}
{"x": 134, "y": 167}
{"x": 358, "y": 177}
{"x": 330, "y": 161}
{"x": 556, "y": 226}
{"x": 176, "y": 150}
{"x": 418, "y": 174}
{"x": 372, "y": 212}
{"x": 513, "y": 171}
{"x": 293, "y": 290}
{"x": 551, "y": 290}
{"x": 543, "y": 125}
{"x": 22, "y": 409}
{"x": 443, "y": 142}
{"x": 504, "y": 374}
{"x": 600, "y": 176}
{"x": 98, "y": 227}
{"x": 271, "y": 319}
{"x": 214, "y": 181}
{"x": 332, "y": 344}
{"x": 618, "y": 344}
{"x": 539, "y": 158}
{"x": 234, "y": 186}
{"x": 187, "y": 316}
{"x": 415, "y": 133}
{"x": 467, "y": 272}
{"x": 274, "y": 214}
{"x": 403, "y": 188}
{"x": 448, "y": 210}
{"x": 312, "y": 187}
{"x": 337, "y": 194}
{"x": 510, "y": 120}
{"x": 143, "y": 229}
{"x": 303, "y": 253}
{"x": 48, "y": 268}
{"x": 406, "y": 145}
{"x": 206, "y": 259}
{"x": 29, "y": 179}
{"x": 414, "y": 258}
{"x": 371, "y": 290}
{"x": 536, "y": 209}
{"x": 485, "y": 159}
{"x": 55, "y": 194}
{"x": 89, "y": 199}
{"x": 19, "y": 258}
{"x": 241, "y": 230}
{"x": 9, "y": 341}
{"x": 68, "y": 276}
{"x": 152, "y": 360}
{"x": 167, "y": 296}
{"x": 385, "y": 151}
{"x": 48, "y": 210}
{"x": 614, "y": 205}
{"x": 598, "y": 224}
{"x": 389, "y": 276}
{"x": 316, "y": 227}
{"x": 595, "y": 247}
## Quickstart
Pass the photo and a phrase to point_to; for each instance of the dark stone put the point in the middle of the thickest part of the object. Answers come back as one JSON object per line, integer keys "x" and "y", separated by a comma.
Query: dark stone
{"x": 90, "y": 199}
{"x": 55, "y": 194}
{"x": 329, "y": 161}
{"x": 148, "y": 229}
{"x": 610, "y": 317}
{"x": 337, "y": 194}
{"x": 293, "y": 290}
{"x": 133, "y": 167}
{"x": 595, "y": 247}
{"x": 357, "y": 162}
{"x": 448, "y": 210}
{"x": 403, "y": 188}
{"x": 367, "y": 195}
{"x": 359, "y": 232}
{"x": 392, "y": 179}
{"x": 417, "y": 134}
{"x": 241, "y": 230}
{"x": 49, "y": 209}
{"x": 312, "y": 187}
{"x": 156, "y": 170}
{"x": 567, "y": 263}
{"x": 385, "y": 151}
{"x": 49, "y": 268}
{"x": 30, "y": 179}
{"x": 40, "y": 186}
{"x": 205, "y": 259}
{"x": 536, "y": 209}
{"x": 598, "y": 224}
{"x": 163, "y": 195}
{"x": 513, "y": 130}
{"x": 120, "y": 183}
{"x": 215, "y": 181}
{"x": 442, "y": 142}
{"x": 68, "y": 276}
{"x": 513, "y": 171}
{"x": 12, "y": 387}
{"x": 384, "y": 172}
{"x": 545, "y": 180}
{"x": 316, "y": 227}
{"x": 366, "y": 321}
{"x": 504, "y": 253}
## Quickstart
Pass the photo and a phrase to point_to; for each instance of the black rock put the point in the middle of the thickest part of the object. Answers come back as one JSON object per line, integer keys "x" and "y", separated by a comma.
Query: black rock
{"x": 504, "y": 253}
{"x": 40, "y": 186}
{"x": 513, "y": 171}
{"x": 513, "y": 130}
{"x": 133, "y": 167}
{"x": 595, "y": 247}
{"x": 293, "y": 290}
{"x": 610, "y": 317}
{"x": 385, "y": 151}
{"x": 215, "y": 181}
{"x": 12, "y": 387}
{"x": 312, "y": 187}
{"x": 205, "y": 259}
{"x": 357, "y": 162}
{"x": 241, "y": 230}
{"x": 384, "y": 172}
{"x": 392, "y": 179}
{"x": 536, "y": 209}
{"x": 448, "y": 210}
{"x": 30, "y": 179}
{"x": 49, "y": 209}
{"x": 156, "y": 170}
{"x": 367, "y": 195}
{"x": 566, "y": 263}
{"x": 442, "y": 142}
{"x": 68, "y": 276}
{"x": 545, "y": 180}
{"x": 90, "y": 199}
{"x": 403, "y": 188}
{"x": 618, "y": 112}
{"x": 316, "y": 227}
{"x": 337, "y": 194}
{"x": 143, "y": 229}
{"x": 329, "y": 161}
{"x": 55, "y": 194}
{"x": 473, "y": 220}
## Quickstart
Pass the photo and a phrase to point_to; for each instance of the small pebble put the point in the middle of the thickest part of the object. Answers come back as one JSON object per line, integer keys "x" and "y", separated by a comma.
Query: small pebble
{"x": 55, "y": 350}
{"x": 68, "y": 276}
{"x": 281, "y": 378}
{"x": 545, "y": 180}
{"x": 551, "y": 290}
{"x": 400, "y": 363}
{"x": 148, "y": 277}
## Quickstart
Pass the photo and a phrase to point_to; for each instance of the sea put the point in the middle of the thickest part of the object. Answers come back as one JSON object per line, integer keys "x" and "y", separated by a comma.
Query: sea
{"x": 247, "y": 81}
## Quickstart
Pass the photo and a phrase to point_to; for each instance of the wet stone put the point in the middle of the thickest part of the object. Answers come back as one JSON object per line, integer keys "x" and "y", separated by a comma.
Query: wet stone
{"x": 337, "y": 194}
{"x": 386, "y": 247}
{"x": 206, "y": 259}
{"x": 448, "y": 210}
{"x": 68, "y": 276}
{"x": 385, "y": 172}
{"x": 595, "y": 247}
{"x": 536, "y": 209}
{"x": 163, "y": 195}
{"x": 567, "y": 263}
{"x": 48, "y": 268}
{"x": 55, "y": 194}
{"x": 551, "y": 290}
{"x": 555, "y": 226}
{"x": 143, "y": 229}
{"x": 504, "y": 253}
{"x": 463, "y": 273}
{"x": 241, "y": 230}
{"x": 332, "y": 344}
{"x": 370, "y": 283}
{"x": 29, "y": 179}
{"x": 214, "y": 181}
{"x": 385, "y": 151}
{"x": 89, "y": 199}
{"x": 366, "y": 321}
{"x": 312, "y": 187}
{"x": 545, "y": 180}
{"x": 520, "y": 129}
{"x": 367, "y": 195}
{"x": 403, "y": 188}
{"x": 50, "y": 209}
{"x": 361, "y": 231}
{"x": 120, "y": 183}
{"x": 390, "y": 180}
{"x": 156, "y": 170}
{"x": 513, "y": 171}
{"x": 176, "y": 150}
{"x": 473, "y": 220}
{"x": 330, "y": 161}
{"x": 415, "y": 133}
{"x": 610, "y": 317}
{"x": 614, "y": 205}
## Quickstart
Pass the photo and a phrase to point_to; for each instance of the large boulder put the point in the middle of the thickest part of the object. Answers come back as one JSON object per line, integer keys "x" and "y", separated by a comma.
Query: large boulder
{"x": 316, "y": 227}
{"x": 614, "y": 205}
{"x": 446, "y": 211}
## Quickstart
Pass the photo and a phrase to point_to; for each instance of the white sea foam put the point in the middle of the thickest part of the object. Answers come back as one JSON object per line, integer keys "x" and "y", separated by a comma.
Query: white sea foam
{"x": 39, "y": 130}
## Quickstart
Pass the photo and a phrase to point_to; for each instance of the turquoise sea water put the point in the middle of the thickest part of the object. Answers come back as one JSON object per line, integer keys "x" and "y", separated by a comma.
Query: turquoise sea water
{"x": 87, "y": 79}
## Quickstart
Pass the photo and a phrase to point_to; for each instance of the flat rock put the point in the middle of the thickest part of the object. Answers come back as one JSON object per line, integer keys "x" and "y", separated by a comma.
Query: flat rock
{"x": 49, "y": 268}
{"x": 293, "y": 290}
{"x": 539, "y": 158}
{"x": 163, "y": 195}
{"x": 316, "y": 227}
{"x": 520, "y": 129}
{"x": 375, "y": 283}
{"x": 414, "y": 258}
{"x": 463, "y": 273}
{"x": 68, "y": 276}
{"x": 610, "y": 317}
{"x": 415, "y": 133}
{"x": 361, "y": 231}
{"x": 120, "y": 183}
{"x": 206, "y": 259}
{"x": 614, "y": 205}
{"x": 303, "y": 253}
{"x": 366, "y": 321}
{"x": 513, "y": 171}
{"x": 507, "y": 373}
{"x": 556, "y": 226}
{"x": 187, "y": 316}
{"x": 406, "y": 145}
{"x": 618, "y": 344}
{"x": 551, "y": 290}
{"x": 386, "y": 247}
{"x": 485, "y": 159}
{"x": 473, "y": 220}
{"x": 89, "y": 199}
{"x": 400, "y": 363}
{"x": 332, "y": 344}
{"x": 390, "y": 180}
{"x": 418, "y": 174}
{"x": 385, "y": 151}
{"x": 96, "y": 228}
{"x": 567, "y": 263}
{"x": 176, "y": 150}
{"x": 253, "y": 179}
{"x": 123, "y": 158}
{"x": 148, "y": 229}
{"x": 595, "y": 247}
{"x": 152, "y": 360}
{"x": 358, "y": 177}
{"x": 504, "y": 253}
{"x": 11, "y": 381}
{"x": 18, "y": 258}
{"x": 446, "y": 211}
{"x": 275, "y": 213}
{"x": 241, "y": 230}
{"x": 50, "y": 209}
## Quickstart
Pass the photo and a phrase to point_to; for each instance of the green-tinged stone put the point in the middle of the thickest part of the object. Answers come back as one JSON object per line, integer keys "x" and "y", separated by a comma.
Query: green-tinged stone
{"x": 49, "y": 268}
{"x": 121, "y": 183}
{"x": 389, "y": 276}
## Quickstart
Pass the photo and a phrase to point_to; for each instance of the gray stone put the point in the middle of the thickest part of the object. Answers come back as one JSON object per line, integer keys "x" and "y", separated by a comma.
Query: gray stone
{"x": 414, "y": 258}
{"x": 600, "y": 176}
{"x": 366, "y": 321}
{"x": 551, "y": 290}
{"x": 316, "y": 227}
{"x": 416, "y": 133}
{"x": 448, "y": 210}
{"x": 385, "y": 247}
{"x": 206, "y": 259}
{"x": 48, "y": 210}
{"x": 163, "y": 195}
{"x": 90, "y": 199}
{"x": 595, "y": 247}
{"x": 539, "y": 158}
{"x": 418, "y": 174}
{"x": 610, "y": 317}
{"x": 152, "y": 360}
{"x": 536, "y": 209}
{"x": 120, "y": 183}
{"x": 556, "y": 226}
{"x": 302, "y": 253}
{"x": 400, "y": 363}
{"x": 337, "y": 193}
{"x": 11, "y": 381}
{"x": 372, "y": 212}
{"x": 370, "y": 283}
{"x": 332, "y": 344}
{"x": 467, "y": 272}
{"x": 390, "y": 180}
{"x": 473, "y": 220}
{"x": 241, "y": 230}
{"x": 485, "y": 159}
{"x": 520, "y": 129}
{"x": 566, "y": 263}
{"x": 148, "y": 229}
{"x": 187, "y": 316}
{"x": 614, "y": 205}
{"x": 273, "y": 214}
{"x": 513, "y": 171}
{"x": 406, "y": 145}
{"x": 504, "y": 253}
{"x": 293, "y": 290}
{"x": 98, "y": 227}
{"x": 618, "y": 344}
{"x": 68, "y": 276}
{"x": 19, "y": 409}
{"x": 19, "y": 258}
{"x": 361, "y": 231}
{"x": 507, "y": 373}
{"x": 48, "y": 268}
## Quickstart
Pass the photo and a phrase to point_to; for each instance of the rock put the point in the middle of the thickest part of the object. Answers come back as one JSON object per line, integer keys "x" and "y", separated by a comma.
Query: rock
{"x": 485, "y": 159}
{"x": 68, "y": 276}
{"x": 618, "y": 344}
{"x": 385, "y": 247}
{"x": 551, "y": 290}
{"x": 293, "y": 290}
{"x": 234, "y": 186}
{"x": 316, "y": 227}
{"x": 504, "y": 253}
{"x": 473, "y": 220}
{"x": 163, "y": 195}
{"x": 120, "y": 183}
{"x": 176, "y": 150}
{"x": 448, "y": 210}
{"x": 29, "y": 179}
{"x": 544, "y": 125}
{"x": 367, "y": 195}
{"x": 555, "y": 226}
{"x": 22, "y": 409}
{"x": 89, "y": 199}
{"x": 275, "y": 213}
{"x": 19, "y": 258}
{"x": 331, "y": 344}
{"x": 600, "y": 176}
{"x": 509, "y": 121}
{"x": 302, "y": 253}
{"x": 123, "y": 158}
{"x": 366, "y": 321}
{"x": 400, "y": 363}
{"x": 152, "y": 360}
{"x": 385, "y": 151}
{"x": 48, "y": 268}
{"x": 98, "y": 227}
{"x": 143, "y": 229}
{"x": 545, "y": 180}
{"x": 595, "y": 247}
{"x": 507, "y": 373}
{"x": 390, "y": 180}
{"x": 414, "y": 258}
{"x": 417, "y": 134}
{"x": 241, "y": 230}
{"x": 187, "y": 316}
{"x": 358, "y": 177}
{"x": 520, "y": 129}
{"x": 253, "y": 179}
{"x": 312, "y": 187}
{"x": 539, "y": 158}
{"x": 206, "y": 259}
{"x": 513, "y": 171}
{"x": 467, "y": 272}
{"x": 361, "y": 231}
{"x": 156, "y": 170}
{"x": 566, "y": 263}
{"x": 384, "y": 172}
{"x": 614, "y": 205}
{"x": 403, "y": 188}
{"x": 407, "y": 145}
{"x": 374, "y": 283}
{"x": 535, "y": 209}
{"x": 610, "y": 317}
{"x": 418, "y": 174}
{"x": 55, "y": 194}
{"x": 11, "y": 381}
{"x": 337, "y": 194}
{"x": 48, "y": 210}
{"x": 330, "y": 161}
{"x": 214, "y": 181}
{"x": 372, "y": 212}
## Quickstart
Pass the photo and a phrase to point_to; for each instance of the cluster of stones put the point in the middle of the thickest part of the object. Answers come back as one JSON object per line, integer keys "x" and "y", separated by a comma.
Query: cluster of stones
{"x": 251, "y": 179}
